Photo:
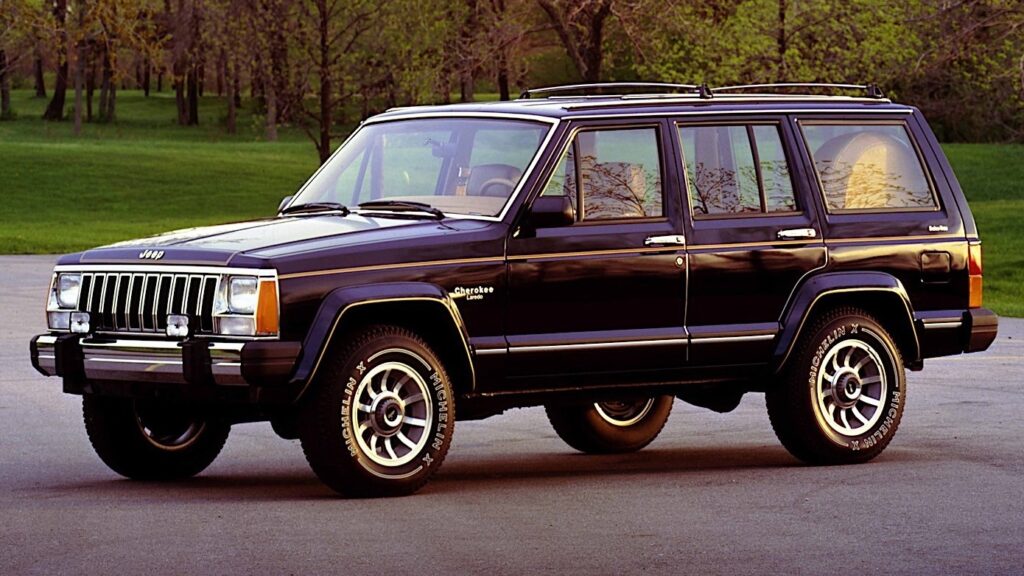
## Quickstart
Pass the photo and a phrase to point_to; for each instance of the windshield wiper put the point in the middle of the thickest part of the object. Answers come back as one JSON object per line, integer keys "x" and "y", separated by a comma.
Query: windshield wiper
{"x": 317, "y": 207}
{"x": 403, "y": 206}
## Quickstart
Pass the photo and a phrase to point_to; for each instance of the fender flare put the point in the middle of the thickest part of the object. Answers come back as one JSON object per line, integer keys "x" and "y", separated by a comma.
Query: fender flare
{"x": 341, "y": 300}
{"x": 812, "y": 291}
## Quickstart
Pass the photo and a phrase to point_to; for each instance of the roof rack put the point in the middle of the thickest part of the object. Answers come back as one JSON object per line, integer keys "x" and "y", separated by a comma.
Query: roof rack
{"x": 663, "y": 86}
{"x": 872, "y": 90}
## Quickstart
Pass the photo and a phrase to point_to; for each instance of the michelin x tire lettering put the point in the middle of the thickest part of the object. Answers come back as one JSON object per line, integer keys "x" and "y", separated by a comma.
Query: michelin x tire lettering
{"x": 840, "y": 399}
{"x": 381, "y": 416}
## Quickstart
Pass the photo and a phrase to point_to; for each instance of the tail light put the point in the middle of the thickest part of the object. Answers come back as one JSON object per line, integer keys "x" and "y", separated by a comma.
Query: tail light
{"x": 974, "y": 270}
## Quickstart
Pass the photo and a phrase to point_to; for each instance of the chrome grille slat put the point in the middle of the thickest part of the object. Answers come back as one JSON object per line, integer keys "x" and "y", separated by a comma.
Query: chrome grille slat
{"x": 117, "y": 301}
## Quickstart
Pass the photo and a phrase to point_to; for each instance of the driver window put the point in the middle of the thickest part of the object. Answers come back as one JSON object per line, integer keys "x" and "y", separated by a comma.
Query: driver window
{"x": 620, "y": 174}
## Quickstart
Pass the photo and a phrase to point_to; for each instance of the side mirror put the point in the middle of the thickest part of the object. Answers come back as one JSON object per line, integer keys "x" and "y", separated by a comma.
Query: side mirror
{"x": 552, "y": 212}
{"x": 284, "y": 202}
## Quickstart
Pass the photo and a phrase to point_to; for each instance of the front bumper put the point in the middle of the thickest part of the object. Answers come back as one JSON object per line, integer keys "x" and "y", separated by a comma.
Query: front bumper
{"x": 195, "y": 361}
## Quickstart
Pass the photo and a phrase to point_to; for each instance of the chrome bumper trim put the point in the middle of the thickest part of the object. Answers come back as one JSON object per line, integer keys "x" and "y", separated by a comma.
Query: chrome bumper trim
{"x": 145, "y": 360}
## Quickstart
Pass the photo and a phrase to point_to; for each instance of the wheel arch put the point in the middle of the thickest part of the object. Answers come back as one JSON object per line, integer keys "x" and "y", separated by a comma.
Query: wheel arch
{"x": 877, "y": 293}
{"x": 424, "y": 308}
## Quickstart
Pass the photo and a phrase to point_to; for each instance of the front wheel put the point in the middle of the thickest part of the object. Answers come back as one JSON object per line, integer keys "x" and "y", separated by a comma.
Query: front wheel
{"x": 381, "y": 417}
{"x": 152, "y": 440}
{"x": 610, "y": 427}
{"x": 841, "y": 398}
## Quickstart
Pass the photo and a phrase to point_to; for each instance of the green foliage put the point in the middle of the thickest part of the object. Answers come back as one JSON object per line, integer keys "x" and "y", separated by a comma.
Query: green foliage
{"x": 775, "y": 40}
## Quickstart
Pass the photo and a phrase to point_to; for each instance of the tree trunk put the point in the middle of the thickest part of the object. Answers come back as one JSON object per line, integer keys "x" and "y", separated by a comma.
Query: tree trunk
{"x": 112, "y": 104}
{"x": 5, "y": 88}
{"x": 147, "y": 71}
{"x": 502, "y": 64}
{"x": 271, "y": 96}
{"x": 230, "y": 71}
{"x": 160, "y": 80}
{"x": 581, "y": 31}
{"x": 55, "y": 110}
{"x": 324, "y": 145}
{"x": 193, "y": 96}
{"x": 80, "y": 56}
{"x": 106, "y": 85}
{"x": 90, "y": 80}
{"x": 467, "y": 62}
{"x": 236, "y": 79}
{"x": 781, "y": 43}
{"x": 37, "y": 73}
{"x": 222, "y": 64}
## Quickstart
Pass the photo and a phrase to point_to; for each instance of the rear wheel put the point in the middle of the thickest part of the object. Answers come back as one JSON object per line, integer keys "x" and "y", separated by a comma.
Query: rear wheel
{"x": 152, "y": 440}
{"x": 841, "y": 398}
{"x": 380, "y": 420}
{"x": 610, "y": 427}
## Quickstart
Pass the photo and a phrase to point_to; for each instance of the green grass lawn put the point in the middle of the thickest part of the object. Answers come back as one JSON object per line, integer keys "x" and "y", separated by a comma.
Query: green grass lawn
{"x": 145, "y": 175}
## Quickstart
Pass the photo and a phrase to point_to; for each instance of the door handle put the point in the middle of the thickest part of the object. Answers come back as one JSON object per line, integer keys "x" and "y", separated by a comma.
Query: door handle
{"x": 671, "y": 240}
{"x": 798, "y": 234}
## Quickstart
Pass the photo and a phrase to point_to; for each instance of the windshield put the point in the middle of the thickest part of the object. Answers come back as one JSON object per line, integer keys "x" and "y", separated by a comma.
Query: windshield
{"x": 456, "y": 165}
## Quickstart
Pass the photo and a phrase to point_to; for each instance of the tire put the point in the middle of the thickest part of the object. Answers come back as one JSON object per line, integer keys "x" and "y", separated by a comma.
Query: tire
{"x": 850, "y": 423}
{"x": 151, "y": 440}
{"x": 610, "y": 427}
{"x": 381, "y": 415}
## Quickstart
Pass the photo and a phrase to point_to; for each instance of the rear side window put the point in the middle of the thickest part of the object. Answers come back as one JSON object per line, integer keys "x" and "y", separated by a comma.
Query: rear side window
{"x": 868, "y": 167}
{"x": 737, "y": 170}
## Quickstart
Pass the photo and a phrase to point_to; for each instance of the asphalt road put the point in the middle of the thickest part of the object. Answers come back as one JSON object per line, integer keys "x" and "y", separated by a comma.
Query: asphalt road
{"x": 714, "y": 494}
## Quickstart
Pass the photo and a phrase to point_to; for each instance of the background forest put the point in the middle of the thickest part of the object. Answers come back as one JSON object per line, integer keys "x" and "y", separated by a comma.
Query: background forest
{"x": 321, "y": 65}
{"x": 123, "y": 118}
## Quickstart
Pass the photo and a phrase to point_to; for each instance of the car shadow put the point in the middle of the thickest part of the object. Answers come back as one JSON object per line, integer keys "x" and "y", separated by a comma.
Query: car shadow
{"x": 460, "y": 474}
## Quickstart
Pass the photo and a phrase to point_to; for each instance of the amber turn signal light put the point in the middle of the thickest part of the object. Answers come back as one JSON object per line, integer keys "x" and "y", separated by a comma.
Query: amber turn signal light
{"x": 974, "y": 269}
{"x": 267, "y": 321}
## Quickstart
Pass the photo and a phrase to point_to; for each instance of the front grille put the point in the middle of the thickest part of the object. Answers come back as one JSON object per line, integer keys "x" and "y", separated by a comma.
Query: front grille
{"x": 140, "y": 302}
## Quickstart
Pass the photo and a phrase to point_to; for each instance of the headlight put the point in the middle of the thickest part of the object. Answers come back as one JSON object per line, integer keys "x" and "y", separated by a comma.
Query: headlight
{"x": 242, "y": 294}
{"x": 64, "y": 295}
{"x": 247, "y": 306}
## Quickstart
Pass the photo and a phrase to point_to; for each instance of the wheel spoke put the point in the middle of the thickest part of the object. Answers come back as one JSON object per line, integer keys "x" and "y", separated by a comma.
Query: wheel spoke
{"x": 861, "y": 364}
{"x": 373, "y": 443}
{"x": 413, "y": 399}
{"x": 858, "y": 415}
{"x": 365, "y": 408}
{"x": 401, "y": 382}
{"x": 869, "y": 400}
{"x": 871, "y": 380}
{"x": 846, "y": 361}
{"x": 835, "y": 363}
{"x": 420, "y": 422}
{"x": 832, "y": 412}
{"x": 844, "y": 418}
{"x": 391, "y": 451}
{"x": 405, "y": 440}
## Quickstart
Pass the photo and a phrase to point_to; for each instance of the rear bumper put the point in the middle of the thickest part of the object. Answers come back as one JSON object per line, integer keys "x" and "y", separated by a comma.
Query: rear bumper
{"x": 943, "y": 334}
{"x": 192, "y": 362}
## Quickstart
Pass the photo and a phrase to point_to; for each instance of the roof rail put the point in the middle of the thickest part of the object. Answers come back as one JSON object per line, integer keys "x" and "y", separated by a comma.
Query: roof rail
{"x": 663, "y": 86}
{"x": 872, "y": 90}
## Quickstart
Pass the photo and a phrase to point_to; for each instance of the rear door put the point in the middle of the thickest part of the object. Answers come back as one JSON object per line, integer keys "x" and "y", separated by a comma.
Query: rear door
{"x": 753, "y": 233}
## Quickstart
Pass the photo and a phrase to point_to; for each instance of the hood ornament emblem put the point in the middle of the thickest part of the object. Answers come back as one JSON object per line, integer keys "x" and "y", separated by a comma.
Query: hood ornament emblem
{"x": 151, "y": 254}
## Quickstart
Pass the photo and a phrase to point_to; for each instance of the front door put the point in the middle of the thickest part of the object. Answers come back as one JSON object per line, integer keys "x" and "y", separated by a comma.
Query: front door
{"x": 753, "y": 233}
{"x": 603, "y": 299}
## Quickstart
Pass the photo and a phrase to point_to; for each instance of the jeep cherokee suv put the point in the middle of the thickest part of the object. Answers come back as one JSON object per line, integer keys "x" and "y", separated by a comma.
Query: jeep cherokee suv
{"x": 599, "y": 255}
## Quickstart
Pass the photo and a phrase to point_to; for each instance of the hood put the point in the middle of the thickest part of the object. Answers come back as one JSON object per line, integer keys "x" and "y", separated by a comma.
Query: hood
{"x": 259, "y": 239}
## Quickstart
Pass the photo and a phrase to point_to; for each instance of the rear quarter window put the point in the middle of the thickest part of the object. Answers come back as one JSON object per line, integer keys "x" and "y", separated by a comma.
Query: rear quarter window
{"x": 868, "y": 167}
